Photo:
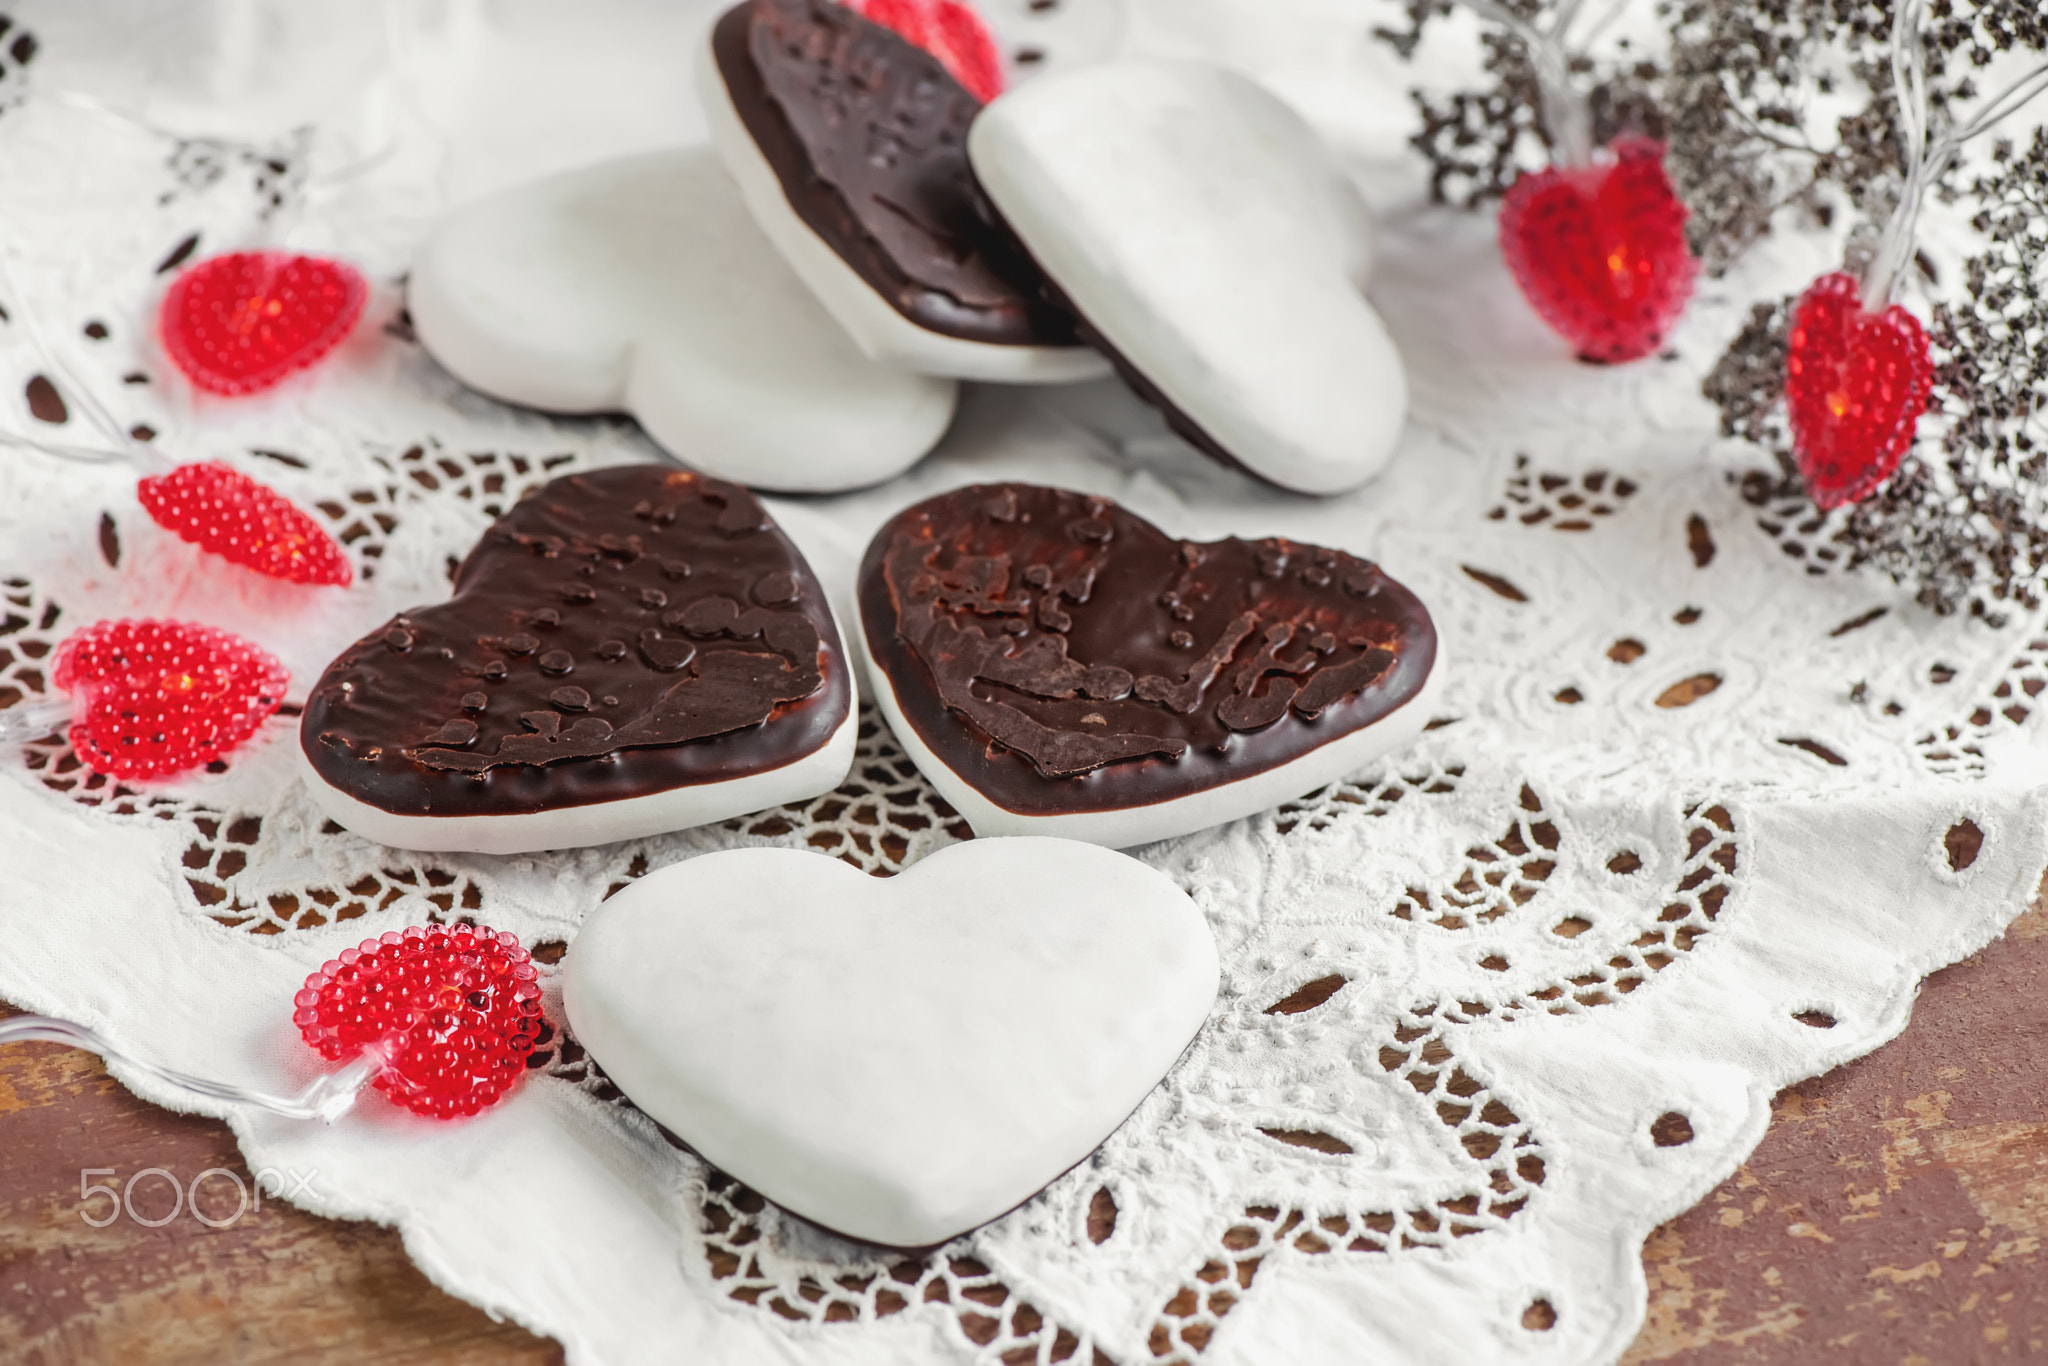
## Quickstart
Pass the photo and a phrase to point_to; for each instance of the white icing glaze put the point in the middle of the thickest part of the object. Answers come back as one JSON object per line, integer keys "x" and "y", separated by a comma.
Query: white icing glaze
{"x": 897, "y": 1060}
{"x": 1128, "y": 827}
{"x": 643, "y": 285}
{"x": 1203, "y": 229}
{"x": 873, "y": 322}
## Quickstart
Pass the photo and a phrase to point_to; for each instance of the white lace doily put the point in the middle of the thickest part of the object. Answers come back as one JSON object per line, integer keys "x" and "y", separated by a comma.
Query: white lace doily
{"x": 1694, "y": 821}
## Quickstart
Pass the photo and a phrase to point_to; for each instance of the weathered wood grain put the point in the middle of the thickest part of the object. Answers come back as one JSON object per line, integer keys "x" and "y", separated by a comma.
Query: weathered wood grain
{"x": 277, "y": 1285}
{"x": 1897, "y": 1208}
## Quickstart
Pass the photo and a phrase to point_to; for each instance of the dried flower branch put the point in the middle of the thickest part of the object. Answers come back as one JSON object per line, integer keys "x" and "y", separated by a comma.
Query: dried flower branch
{"x": 1477, "y": 142}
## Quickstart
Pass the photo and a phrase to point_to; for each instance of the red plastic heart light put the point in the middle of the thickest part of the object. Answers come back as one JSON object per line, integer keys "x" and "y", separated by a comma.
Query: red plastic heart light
{"x": 950, "y": 31}
{"x": 218, "y": 508}
{"x": 151, "y": 698}
{"x": 455, "y": 1014}
{"x": 1856, "y": 383}
{"x": 1600, "y": 251}
{"x": 243, "y": 321}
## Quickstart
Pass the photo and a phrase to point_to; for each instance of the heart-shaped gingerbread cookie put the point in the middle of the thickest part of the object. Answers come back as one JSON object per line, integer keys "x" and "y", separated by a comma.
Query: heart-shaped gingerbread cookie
{"x": 628, "y": 651}
{"x": 897, "y": 1060}
{"x": 643, "y": 285}
{"x": 1057, "y": 665}
{"x": 1214, "y": 251}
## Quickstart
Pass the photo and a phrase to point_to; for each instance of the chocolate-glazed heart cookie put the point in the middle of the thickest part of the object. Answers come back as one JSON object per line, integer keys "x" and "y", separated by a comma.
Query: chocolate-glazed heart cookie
{"x": 1057, "y": 665}
{"x": 628, "y": 651}
{"x": 849, "y": 146}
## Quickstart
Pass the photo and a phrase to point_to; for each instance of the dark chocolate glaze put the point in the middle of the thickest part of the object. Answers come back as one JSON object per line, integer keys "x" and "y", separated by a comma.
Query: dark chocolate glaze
{"x": 867, "y": 133}
{"x": 1063, "y": 655}
{"x": 618, "y": 633}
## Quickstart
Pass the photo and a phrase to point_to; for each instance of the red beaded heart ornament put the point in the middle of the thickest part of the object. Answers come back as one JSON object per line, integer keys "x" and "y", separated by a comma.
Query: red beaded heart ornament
{"x": 220, "y": 509}
{"x": 455, "y": 1014}
{"x": 950, "y": 31}
{"x": 151, "y": 698}
{"x": 243, "y": 321}
{"x": 1600, "y": 251}
{"x": 1856, "y": 383}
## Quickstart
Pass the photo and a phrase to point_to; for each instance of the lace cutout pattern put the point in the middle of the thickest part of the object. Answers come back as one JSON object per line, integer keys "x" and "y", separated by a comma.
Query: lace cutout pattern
{"x": 882, "y": 819}
{"x": 1374, "y": 795}
{"x": 489, "y": 481}
{"x": 746, "y": 1267}
{"x": 26, "y": 621}
{"x": 1500, "y": 876}
{"x": 276, "y": 173}
{"x": 222, "y": 862}
{"x": 1421, "y": 1051}
{"x": 1491, "y": 1133}
{"x": 1705, "y": 881}
{"x": 397, "y": 874}
{"x": 1802, "y": 531}
{"x": 1563, "y": 502}
{"x": 1958, "y": 748}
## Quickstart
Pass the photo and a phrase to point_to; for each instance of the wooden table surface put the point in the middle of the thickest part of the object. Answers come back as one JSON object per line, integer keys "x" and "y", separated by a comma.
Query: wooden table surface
{"x": 1894, "y": 1213}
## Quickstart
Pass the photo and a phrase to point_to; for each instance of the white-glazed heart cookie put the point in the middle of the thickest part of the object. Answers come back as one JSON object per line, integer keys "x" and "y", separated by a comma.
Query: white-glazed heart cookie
{"x": 1212, "y": 249}
{"x": 643, "y": 285}
{"x": 901, "y": 1059}
{"x": 849, "y": 144}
